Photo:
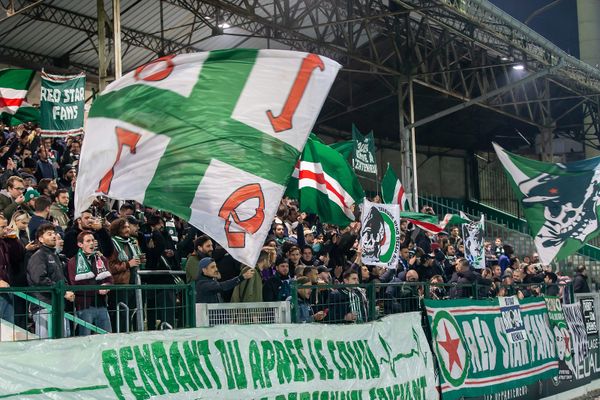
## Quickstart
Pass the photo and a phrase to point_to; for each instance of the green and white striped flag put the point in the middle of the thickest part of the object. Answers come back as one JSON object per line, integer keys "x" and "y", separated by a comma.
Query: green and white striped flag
{"x": 393, "y": 191}
{"x": 325, "y": 184}
{"x": 210, "y": 137}
{"x": 14, "y": 84}
{"x": 560, "y": 201}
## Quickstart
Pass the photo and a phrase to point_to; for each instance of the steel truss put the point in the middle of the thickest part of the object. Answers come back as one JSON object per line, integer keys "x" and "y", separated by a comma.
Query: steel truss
{"x": 461, "y": 48}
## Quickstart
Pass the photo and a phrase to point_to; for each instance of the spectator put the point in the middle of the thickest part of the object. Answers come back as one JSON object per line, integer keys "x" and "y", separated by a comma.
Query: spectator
{"x": 203, "y": 248}
{"x": 455, "y": 238}
{"x": 498, "y": 248}
{"x": 88, "y": 222}
{"x": 41, "y": 211}
{"x": 580, "y": 281}
{"x": 47, "y": 187}
{"x": 504, "y": 258}
{"x": 251, "y": 290}
{"x": 436, "y": 289}
{"x": 305, "y": 312}
{"x": 551, "y": 281}
{"x": 45, "y": 168}
{"x": 277, "y": 288}
{"x": 403, "y": 296}
{"x": 45, "y": 269}
{"x": 29, "y": 204}
{"x": 89, "y": 267}
{"x": 12, "y": 197}
{"x": 59, "y": 210}
{"x": 208, "y": 288}
{"x": 18, "y": 227}
{"x": 122, "y": 263}
{"x": 307, "y": 258}
{"x": 349, "y": 304}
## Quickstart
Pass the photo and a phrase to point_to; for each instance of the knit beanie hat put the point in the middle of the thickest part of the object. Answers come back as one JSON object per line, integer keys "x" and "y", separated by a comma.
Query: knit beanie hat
{"x": 31, "y": 193}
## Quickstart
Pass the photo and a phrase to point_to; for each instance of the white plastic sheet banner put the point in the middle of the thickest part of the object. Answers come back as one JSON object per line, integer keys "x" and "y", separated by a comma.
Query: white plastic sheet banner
{"x": 386, "y": 359}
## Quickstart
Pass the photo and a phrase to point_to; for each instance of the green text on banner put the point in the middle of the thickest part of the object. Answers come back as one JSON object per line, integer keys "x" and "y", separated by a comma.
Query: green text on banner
{"x": 386, "y": 359}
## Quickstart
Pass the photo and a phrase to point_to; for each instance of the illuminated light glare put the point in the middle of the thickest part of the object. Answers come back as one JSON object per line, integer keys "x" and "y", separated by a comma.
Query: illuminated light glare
{"x": 519, "y": 67}
{"x": 503, "y": 58}
{"x": 224, "y": 25}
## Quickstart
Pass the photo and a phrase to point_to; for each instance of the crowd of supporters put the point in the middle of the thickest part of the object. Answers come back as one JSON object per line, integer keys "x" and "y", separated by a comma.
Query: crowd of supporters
{"x": 41, "y": 244}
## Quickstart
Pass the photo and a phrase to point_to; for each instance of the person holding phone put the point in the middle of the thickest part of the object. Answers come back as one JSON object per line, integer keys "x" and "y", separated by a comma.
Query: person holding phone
{"x": 305, "y": 312}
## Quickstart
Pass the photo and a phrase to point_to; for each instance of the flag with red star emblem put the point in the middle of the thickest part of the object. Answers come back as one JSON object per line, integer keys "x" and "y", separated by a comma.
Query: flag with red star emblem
{"x": 475, "y": 355}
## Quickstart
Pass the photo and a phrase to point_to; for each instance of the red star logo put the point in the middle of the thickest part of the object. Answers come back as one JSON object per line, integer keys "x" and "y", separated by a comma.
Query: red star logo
{"x": 553, "y": 190}
{"x": 451, "y": 347}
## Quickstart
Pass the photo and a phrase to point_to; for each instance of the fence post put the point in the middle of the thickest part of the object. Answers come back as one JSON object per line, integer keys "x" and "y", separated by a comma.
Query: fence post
{"x": 58, "y": 310}
{"x": 372, "y": 301}
{"x": 294, "y": 303}
{"x": 191, "y": 305}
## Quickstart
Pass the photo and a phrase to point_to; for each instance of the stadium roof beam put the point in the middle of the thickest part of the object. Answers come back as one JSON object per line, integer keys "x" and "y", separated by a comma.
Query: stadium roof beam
{"x": 28, "y": 59}
{"x": 84, "y": 23}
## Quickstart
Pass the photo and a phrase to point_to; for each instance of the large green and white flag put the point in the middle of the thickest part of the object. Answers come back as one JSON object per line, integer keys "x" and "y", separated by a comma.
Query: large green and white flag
{"x": 393, "y": 191}
{"x": 324, "y": 184}
{"x": 380, "y": 233}
{"x": 560, "y": 201}
{"x": 14, "y": 84}
{"x": 62, "y": 102}
{"x": 210, "y": 137}
{"x": 363, "y": 156}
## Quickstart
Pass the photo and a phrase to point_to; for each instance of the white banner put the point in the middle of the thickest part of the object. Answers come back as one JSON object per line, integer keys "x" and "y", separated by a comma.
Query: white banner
{"x": 386, "y": 358}
{"x": 511, "y": 319}
{"x": 474, "y": 246}
{"x": 574, "y": 319}
{"x": 380, "y": 234}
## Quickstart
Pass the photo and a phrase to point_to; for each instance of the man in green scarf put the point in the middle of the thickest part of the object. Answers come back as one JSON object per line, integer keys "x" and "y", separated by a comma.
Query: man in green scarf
{"x": 123, "y": 264}
{"x": 89, "y": 267}
{"x": 59, "y": 210}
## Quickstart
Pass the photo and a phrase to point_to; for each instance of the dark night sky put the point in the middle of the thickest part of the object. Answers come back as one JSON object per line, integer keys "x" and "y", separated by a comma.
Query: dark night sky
{"x": 558, "y": 24}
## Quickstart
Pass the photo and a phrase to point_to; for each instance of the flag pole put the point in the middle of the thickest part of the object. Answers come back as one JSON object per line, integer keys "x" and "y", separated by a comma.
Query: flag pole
{"x": 414, "y": 146}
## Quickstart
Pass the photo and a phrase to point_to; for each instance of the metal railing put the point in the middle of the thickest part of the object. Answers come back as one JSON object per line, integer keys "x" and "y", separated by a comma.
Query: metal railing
{"x": 376, "y": 300}
{"x": 141, "y": 306}
{"x": 513, "y": 231}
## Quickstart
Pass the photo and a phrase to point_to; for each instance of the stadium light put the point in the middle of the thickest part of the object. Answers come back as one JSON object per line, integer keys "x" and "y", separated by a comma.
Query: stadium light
{"x": 518, "y": 67}
{"x": 224, "y": 25}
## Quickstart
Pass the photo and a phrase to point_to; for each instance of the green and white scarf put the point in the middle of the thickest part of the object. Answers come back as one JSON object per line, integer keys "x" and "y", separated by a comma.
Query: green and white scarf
{"x": 84, "y": 267}
{"x": 120, "y": 244}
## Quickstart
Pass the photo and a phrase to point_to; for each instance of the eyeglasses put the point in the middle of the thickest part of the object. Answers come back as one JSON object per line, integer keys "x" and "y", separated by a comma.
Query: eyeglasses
{"x": 20, "y": 189}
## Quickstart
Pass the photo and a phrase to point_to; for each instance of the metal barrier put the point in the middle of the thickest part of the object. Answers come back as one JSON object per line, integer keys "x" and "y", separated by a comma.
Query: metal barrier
{"x": 167, "y": 307}
{"x": 371, "y": 301}
{"x": 273, "y": 312}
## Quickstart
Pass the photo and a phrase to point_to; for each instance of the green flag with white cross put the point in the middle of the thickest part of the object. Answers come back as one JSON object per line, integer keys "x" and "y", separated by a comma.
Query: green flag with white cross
{"x": 210, "y": 137}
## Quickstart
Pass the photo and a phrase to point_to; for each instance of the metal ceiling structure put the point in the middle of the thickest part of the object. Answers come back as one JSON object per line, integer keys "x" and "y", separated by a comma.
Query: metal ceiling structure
{"x": 412, "y": 69}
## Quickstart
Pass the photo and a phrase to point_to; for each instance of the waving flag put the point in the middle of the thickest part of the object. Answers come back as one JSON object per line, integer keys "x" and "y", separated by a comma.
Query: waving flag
{"x": 454, "y": 219}
{"x": 393, "y": 191}
{"x": 424, "y": 221}
{"x": 324, "y": 184}
{"x": 560, "y": 201}
{"x": 210, "y": 137}
{"x": 14, "y": 84}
